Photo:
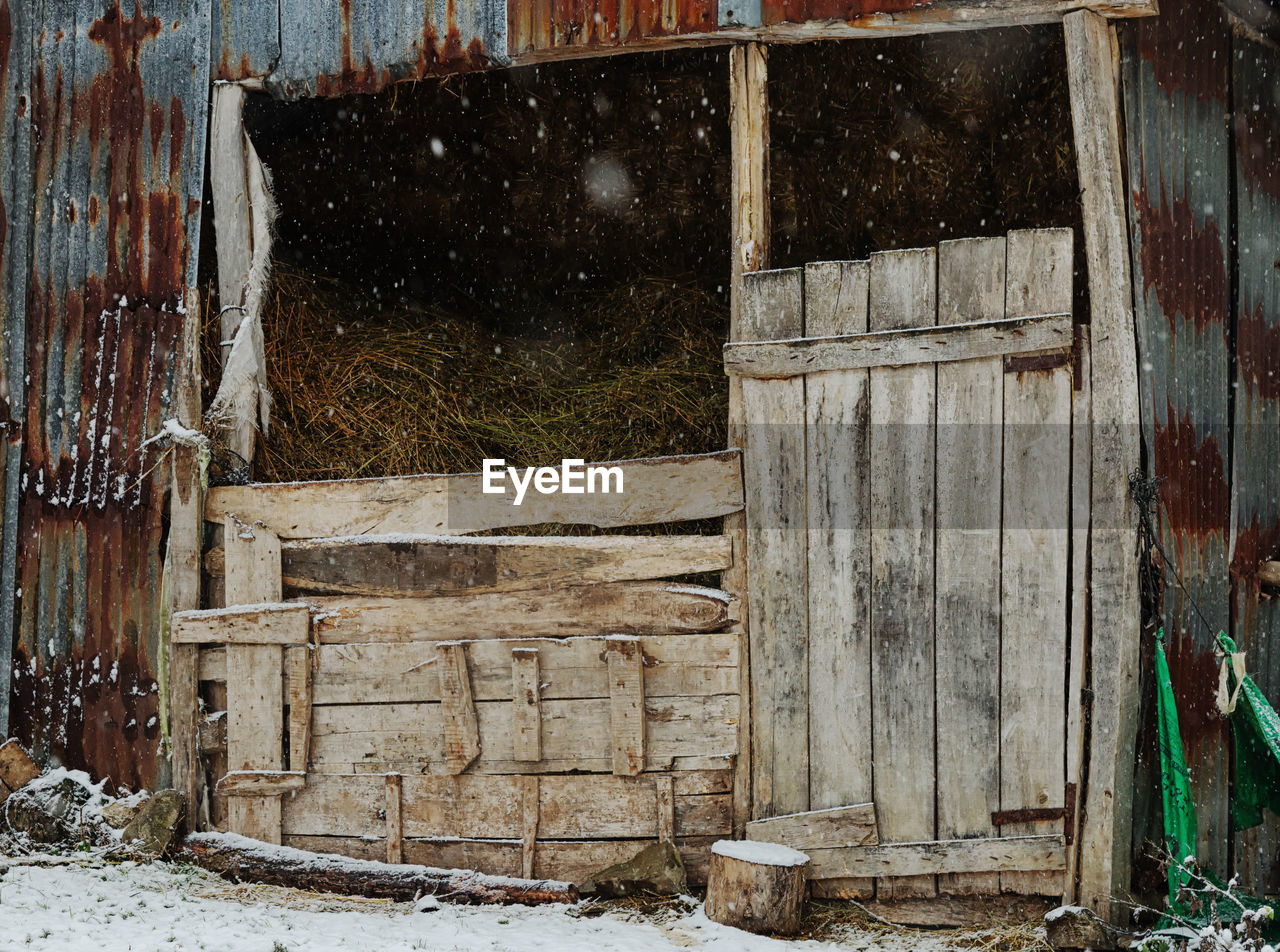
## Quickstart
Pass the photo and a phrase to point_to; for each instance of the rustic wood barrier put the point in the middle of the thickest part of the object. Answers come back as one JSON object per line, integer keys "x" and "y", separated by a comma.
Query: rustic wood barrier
{"x": 912, "y": 473}
{"x": 523, "y": 705}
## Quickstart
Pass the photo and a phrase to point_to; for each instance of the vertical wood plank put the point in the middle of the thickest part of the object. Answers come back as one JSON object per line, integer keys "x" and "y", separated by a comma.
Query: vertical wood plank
{"x": 461, "y": 729}
{"x": 626, "y": 704}
{"x": 228, "y": 182}
{"x": 749, "y": 229}
{"x": 903, "y": 294}
{"x": 1081, "y": 453}
{"x": 298, "y": 664}
{"x": 1105, "y": 836}
{"x": 182, "y": 571}
{"x": 1033, "y": 594}
{"x": 664, "y": 790}
{"x": 529, "y": 813}
{"x": 839, "y": 549}
{"x": 395, "y": 826}
{"x": 526, "y": 705}
{"x": 971, "y": 287}
{"x": 749, "y": 149}
{"x": 777, "y": 554}
{"x": 255, "y": 680}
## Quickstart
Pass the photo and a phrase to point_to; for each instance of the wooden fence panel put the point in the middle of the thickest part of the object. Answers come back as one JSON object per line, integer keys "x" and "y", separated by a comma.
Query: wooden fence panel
{"x": 903, "y": 403}
{"x": 971, "y": 286}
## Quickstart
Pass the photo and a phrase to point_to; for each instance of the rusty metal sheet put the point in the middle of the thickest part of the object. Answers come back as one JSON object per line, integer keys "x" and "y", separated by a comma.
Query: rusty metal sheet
{"x": 246, "y": 38}
{"x": 1176, "y": 99}
{"x": 799, "y": 11}
{"x": 1256, "y": 474}
{"x": 337, "y": 47}
{"x": 116, "y": 157}
{"x": 16, "y": 33}
{"x": 560, "y": 24}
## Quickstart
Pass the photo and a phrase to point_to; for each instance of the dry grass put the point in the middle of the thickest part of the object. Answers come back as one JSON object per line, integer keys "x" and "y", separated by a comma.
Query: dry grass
{"x": 366, "y": 390}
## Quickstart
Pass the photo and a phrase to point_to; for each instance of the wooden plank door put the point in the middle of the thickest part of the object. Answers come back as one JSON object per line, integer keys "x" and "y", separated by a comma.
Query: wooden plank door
{"x": 930, "y": 489}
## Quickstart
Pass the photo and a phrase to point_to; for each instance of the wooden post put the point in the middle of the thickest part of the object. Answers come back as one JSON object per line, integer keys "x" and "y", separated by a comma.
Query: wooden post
{"x": 395, "y": 825}
{"x": 758, "y": 887}
{"x": 255, "y": 680}
{"x": 749, "y": 228}
{"x": 1104, "y": 849}
{"x": 182, "y": 568}
{"x": 298, "y": 662}
{"x": 530, "y": 793}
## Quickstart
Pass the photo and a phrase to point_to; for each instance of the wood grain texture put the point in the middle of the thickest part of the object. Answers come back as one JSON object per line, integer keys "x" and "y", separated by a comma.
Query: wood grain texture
{"x": 749, "y": 170}
{"x": 1035, "y": 555}
{"x": 898, "y": 348}
{"x": 255, "y": 680}
{"x": 971, "y": 287}
{"x": 633, "y": 608}
{"x": 755, "y": 896}
{"x": 526, "y": 705}
{"x": 414, "y": 566}
{"x": 298, "y": 668}
{"x": 940, "y": 857}
{"x": 595, "y": 806}
{"x": 665, "y": 791}
{"x": 461, "y": 729}
{"x": 777, "y": 556}
{"x": 666, "y": 489}
{"x": 243, "y": 783}
{"x": 903, "y": 294}
{"x": 837, "y": 408}
{"x": 228, "y": 183}
{"x": 626, "y": 704}
{"x": 576, "y": 735}
{"x": 853, "y": 825}
{"x": 1104, "y": 852}
{"x": 529, "y": 809}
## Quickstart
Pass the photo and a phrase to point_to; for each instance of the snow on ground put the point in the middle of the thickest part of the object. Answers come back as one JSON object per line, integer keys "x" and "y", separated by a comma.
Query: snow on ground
{"x": 97, "y": 907}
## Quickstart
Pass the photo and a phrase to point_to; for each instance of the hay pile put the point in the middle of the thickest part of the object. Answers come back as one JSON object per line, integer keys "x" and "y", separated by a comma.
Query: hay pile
{"x": 363, "y": 389}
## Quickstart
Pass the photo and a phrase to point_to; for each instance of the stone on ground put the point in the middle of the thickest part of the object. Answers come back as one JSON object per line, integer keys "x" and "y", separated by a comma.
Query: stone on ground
{"x": 656, "y": 869}
{"x": 156, "y": 827}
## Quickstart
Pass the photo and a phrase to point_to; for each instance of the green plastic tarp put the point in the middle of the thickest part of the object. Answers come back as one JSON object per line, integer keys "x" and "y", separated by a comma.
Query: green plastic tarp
{"x": 1256, "y": 729}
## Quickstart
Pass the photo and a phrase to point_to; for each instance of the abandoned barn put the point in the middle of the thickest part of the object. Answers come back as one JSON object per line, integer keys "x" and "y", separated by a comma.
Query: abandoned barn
{"x": 873, "y": 307}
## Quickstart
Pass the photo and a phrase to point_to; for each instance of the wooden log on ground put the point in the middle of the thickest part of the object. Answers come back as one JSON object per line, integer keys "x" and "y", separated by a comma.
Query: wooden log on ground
{"x": 244, "y": 860}
{"x": 758, "y": 887}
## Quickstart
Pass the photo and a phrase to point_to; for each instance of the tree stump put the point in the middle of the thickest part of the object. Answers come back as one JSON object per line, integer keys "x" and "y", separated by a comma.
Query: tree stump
{"x": 756, "y": 886}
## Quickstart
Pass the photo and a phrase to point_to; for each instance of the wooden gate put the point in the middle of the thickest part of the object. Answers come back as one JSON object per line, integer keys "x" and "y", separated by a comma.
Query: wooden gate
{"x": 521, "y": 705}
{"x": 913, "y": 489}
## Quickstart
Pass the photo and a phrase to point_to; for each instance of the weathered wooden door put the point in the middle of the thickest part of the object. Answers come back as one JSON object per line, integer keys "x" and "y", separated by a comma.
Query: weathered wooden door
{"x": 916, "y": 625}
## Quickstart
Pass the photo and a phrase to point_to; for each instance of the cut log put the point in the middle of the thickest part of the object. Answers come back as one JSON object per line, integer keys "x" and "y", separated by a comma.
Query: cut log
{"x": 244, "y": 860}
{"x": 758, "y": 887}
{"x": 17, "y": 769}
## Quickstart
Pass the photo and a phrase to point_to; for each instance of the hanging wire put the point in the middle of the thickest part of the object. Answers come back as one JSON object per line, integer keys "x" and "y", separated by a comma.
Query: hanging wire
{"x": 1145, "y": 493}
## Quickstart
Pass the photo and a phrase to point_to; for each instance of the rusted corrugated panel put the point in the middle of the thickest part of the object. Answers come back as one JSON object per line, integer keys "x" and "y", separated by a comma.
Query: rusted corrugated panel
{"x": 798, "y": 11}
{"x": 1176, "y": 97}
{"x": 118, "y": 101}
{"x": 1256, "y": 483}
{"x": 335, "y": 47}
{"x": 15, "y": 217}
{"x": 246, "y": 38}
{"x": 551, "y": 24}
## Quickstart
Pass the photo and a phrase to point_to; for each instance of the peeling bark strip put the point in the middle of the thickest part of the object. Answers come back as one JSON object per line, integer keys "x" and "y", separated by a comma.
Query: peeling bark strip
{"x": 248, "y": 861}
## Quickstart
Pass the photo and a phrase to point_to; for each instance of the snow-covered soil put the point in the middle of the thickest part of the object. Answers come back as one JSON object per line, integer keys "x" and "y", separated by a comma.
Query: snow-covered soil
{"x": 91, "y": 906}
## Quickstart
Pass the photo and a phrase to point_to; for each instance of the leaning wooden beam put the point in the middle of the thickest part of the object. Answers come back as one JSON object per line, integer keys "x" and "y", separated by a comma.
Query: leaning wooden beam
{"x": 461, "y": 731}
{"x": 1039, "y": 853}
{"x": 916, "y": 345}
{"x": 247, "y": 783}
{"x": 1104, "y": 851}
{"x": 227, "y": 182}
{"x": 248, "y": 861}
{"x": 422, "y": 565}
{"x": 671, "y": 489}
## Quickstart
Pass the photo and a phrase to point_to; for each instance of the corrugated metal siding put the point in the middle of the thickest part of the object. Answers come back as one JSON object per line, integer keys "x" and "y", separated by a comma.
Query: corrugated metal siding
{"x": 15, "y": 215}
{"x": 1256, "y": 484}
{"x": 335, "y": 47}
{"x": 1176, "y": 98}
{"x": 246, "y": 38}
{"x": 117, "y": 144}
{"x": 551, "y": 24}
